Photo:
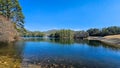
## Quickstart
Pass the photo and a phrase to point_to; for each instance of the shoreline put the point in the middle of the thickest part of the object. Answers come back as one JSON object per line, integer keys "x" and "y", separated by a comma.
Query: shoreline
{"x": 111, "y": 41}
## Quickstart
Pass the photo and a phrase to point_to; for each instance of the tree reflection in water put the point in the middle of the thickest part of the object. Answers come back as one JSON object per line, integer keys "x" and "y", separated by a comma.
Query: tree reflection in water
{"x": 10, "y": 55}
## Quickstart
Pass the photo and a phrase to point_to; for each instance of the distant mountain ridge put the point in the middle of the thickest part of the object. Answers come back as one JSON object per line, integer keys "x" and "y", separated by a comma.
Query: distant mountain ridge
{"x": 50, "y": 31}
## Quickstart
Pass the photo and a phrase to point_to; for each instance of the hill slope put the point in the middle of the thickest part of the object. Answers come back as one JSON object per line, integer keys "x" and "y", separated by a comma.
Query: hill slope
{"x": 7, "y": 31}
{"x": 113, "y": 36}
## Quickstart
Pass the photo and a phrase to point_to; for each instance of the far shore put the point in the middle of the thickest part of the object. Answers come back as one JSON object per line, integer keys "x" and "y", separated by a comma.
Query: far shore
{"x": 113, "y": 40}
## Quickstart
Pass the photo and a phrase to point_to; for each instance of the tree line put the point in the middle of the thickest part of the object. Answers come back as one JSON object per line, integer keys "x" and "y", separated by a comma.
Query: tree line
{"x": 63, "y": 34}
{"x": 33, "y": 34}
{"x": 70, "y": 34}
{"x": 113, "y": 30}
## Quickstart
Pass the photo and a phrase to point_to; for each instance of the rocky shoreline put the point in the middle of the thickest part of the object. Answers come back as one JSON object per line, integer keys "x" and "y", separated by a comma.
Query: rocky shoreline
{"x": 8, "y": 62}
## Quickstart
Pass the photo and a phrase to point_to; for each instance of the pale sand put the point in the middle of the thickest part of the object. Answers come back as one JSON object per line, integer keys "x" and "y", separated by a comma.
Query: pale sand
{"x": 113, "y": 40}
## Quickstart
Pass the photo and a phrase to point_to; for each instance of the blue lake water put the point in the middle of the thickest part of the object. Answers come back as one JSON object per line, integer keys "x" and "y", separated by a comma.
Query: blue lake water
{"x": 51, "y": 53}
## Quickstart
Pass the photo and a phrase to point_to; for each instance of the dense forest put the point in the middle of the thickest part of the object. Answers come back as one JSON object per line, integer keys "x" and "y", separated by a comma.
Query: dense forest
{"x": 113, "y": 30}
{"x": 70, "y": 34}
{"x": 63, "y": 34}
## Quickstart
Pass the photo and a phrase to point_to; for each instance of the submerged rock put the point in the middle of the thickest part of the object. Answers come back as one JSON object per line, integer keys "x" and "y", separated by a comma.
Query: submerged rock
{"x": 7, "y": 62}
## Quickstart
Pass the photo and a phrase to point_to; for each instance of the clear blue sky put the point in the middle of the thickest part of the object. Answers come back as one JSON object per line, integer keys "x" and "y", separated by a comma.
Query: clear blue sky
{"x": 44, "y": 15}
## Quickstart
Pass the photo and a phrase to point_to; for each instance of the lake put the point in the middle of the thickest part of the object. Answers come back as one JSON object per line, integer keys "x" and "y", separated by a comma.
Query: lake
{"x": 56, "y": 53}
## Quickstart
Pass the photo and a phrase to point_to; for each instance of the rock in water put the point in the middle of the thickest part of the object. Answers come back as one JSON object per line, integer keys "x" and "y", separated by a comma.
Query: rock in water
{"x": 8, "y": 33}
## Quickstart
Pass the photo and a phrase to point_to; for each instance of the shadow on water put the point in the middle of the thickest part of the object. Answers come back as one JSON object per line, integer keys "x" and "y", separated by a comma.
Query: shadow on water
{"x": 34, "y": 39}
{"x": 10, "y": 55}
{"x": 99, "y": 43}
{"x": 62, "y": 41}
{"x": 93, "y": 43}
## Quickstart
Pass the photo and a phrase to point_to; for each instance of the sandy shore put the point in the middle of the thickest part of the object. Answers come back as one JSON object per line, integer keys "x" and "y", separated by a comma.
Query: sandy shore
{"x": 113, "y": 40}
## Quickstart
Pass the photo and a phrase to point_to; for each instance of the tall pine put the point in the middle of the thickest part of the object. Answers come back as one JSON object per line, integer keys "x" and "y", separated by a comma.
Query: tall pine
{"x": 11, "y": 9}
